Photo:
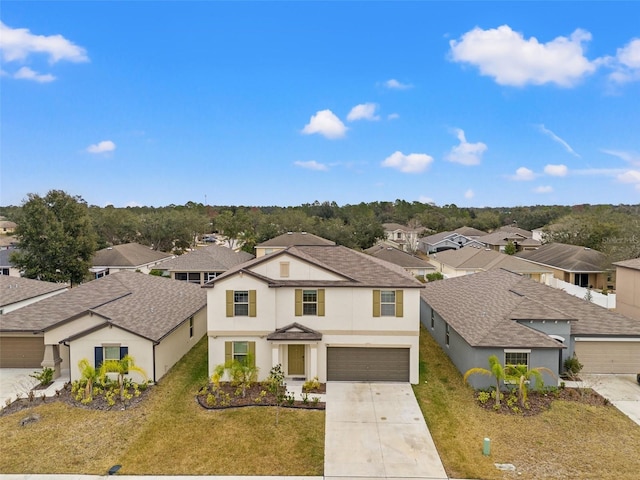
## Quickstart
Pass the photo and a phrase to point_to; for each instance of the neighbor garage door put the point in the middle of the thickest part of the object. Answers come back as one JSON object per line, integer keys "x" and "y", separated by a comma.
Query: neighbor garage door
{"x": 21, "y": 352}
{"x": 368, "y": 364}
{"x": 608, "y": 356}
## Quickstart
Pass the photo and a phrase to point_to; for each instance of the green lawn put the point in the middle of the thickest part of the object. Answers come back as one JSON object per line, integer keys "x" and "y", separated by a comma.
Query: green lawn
{"x": 167, "y": 434}
{"x": 571, "y": 440}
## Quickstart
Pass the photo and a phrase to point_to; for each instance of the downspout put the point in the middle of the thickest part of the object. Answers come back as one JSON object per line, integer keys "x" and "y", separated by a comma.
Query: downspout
{"x": 155, "y": 344}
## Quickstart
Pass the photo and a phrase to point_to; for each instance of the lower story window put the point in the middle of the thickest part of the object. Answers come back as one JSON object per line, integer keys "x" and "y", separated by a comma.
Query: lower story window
{"x": 240, "y": 351}
{"x": 111, "y": 353}
{"x": 516, "y": 358}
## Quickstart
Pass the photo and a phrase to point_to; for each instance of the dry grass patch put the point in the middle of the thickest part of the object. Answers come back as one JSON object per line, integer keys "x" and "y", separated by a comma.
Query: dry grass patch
{"x": 168, "y": 433}
{"x": 569, "y": 441}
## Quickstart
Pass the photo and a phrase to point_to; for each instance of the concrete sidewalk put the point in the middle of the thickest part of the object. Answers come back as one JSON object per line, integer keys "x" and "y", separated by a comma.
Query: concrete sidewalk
{"x": 376, "y": 430}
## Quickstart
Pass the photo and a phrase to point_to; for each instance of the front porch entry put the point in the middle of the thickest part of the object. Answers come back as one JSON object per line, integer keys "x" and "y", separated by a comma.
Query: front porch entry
{"x": 295, "y": 360}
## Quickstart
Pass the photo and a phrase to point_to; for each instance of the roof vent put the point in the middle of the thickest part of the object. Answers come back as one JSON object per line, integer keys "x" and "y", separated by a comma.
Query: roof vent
{"x": 109, "y": 248}
{"x": 303, "y": 233}
{"x": 289, "y": 233}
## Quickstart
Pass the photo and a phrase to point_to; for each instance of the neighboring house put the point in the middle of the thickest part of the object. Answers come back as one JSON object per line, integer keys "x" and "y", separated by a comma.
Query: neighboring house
{"x": 524, "y": 322}
{"x": 325, "y": 311}
{"x": 628, "y": 288}
{"x": 402, "y": 237}
{"x": 7, "y": 227}
{"x": 128, "y": 256}
{"x": 203, "y": 264}
{"x": 6, "y": 265}
{"x": 439, "y": 242}
{"x": 520, "y": 238}
{"x": 153, "y": 319}
{"x": 470, "y": 232}
{"x": 289, "y": 239}
{"x": 573, "y": 264}
{"x": 412, "y": 264}
{"x": 472, "y": 259}
{"x": 18, "y": 292}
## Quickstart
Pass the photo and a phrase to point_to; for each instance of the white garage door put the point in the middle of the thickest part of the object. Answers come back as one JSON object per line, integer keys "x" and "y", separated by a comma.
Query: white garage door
{"x": 609, "y": 356}
{"x": 366, "y": 364}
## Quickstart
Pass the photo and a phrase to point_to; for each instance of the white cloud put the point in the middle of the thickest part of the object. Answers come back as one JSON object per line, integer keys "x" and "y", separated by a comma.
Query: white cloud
{"x": 18, "y": 43}
{"x": 312, "y": 165}
{"x": 394, "y": 84}
{"x": 523, "y": 174}
{"x": 466, "y": 153}
{"x": 327, "y": 124}
{"x": 427, "y": 200}
{"x": 543, "y": 189}
{"x": 556, "y": 170}
{"x": 631, "y": 176}
{"x": 102, "y": 147}
{"x": 25, "y": 73}
{"x": 512, "y": 60}
{"x": 412, "y": 163}
{"x": 567, "y": 147}
{"x": 393, "y": 116}
{"x": 632, "y": 158}
{"x": 469, "y": 194}
{"x": 364, "y": 111}
{"x": 626, "y": 63}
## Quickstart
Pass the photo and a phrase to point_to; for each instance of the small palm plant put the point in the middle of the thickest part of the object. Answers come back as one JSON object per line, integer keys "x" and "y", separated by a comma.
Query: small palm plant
{"x": 90, "y": 375}
{"x": 495, "y": 370}
{"x": 522, "y": 375}
{"x": 122, "y": 367}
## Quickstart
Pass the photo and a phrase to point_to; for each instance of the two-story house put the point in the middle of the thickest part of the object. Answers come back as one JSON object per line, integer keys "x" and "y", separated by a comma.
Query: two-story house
{"x": 321, "y": 311}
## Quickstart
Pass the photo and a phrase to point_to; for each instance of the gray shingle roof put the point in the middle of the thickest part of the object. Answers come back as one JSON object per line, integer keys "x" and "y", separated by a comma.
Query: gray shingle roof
{"x": 146, "y": 305}
{"x": 571, "y": 258}
{"x": 356, "y": 269}
{"x": 483, "y": 309}
{"x": 18, "y": 289}
{"x": 633, "y": 264}
{"x": 471, "y": 258}
{"x": 127, "y": 255}
{"x": 213, "y": 258}
{"x": 503, "y": 237}
{"x": 295, "y": 238}
{"x": 398, "y": 257}
{"x": 469, "y": 232}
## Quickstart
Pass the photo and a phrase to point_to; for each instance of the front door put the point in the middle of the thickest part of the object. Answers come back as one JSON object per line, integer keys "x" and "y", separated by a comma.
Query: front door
{"x": 296, "y": 360}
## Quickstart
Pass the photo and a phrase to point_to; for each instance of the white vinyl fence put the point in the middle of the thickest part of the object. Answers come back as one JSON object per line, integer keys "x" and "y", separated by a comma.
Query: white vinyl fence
{"x": 589, "y": 294}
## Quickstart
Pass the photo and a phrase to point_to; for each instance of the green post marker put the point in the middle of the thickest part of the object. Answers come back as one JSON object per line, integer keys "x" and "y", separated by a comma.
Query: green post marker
{"x": 486, "y": 447}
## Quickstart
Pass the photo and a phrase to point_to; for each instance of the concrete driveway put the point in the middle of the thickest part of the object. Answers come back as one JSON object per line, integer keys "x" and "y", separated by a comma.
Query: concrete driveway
{"x": 376, "y": 430}
{"x": 622, "y": 391}
{"x": 14, "y": 382}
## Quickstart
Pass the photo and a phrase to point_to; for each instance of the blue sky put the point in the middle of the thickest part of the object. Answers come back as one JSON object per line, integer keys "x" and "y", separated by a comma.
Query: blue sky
{"x": 284, "y": 103}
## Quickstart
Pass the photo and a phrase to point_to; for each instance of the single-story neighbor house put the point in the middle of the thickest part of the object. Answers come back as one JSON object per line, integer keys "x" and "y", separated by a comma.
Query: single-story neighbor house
{"x": 153, "y": 319}
{"x": 128, "y": 256}
{"x": 411, "y": 263}
{"x": 7, "y": 268}
{"x": 7, "y": 227}
{"x": 439, "y": 242}
{"x": 290, "y": 239}
{"x": 18, "y": 292}
{"x": 203, "y": 264}
{"x": 473, "y": 259}
{"x": 573, "y": 264}
{"x": 470, "y": 232}
{"x": 628, "y": 288}
{"x": 321, "y": 311}
{"x": 521, "y": 239}
{"x": 524, "y": 322}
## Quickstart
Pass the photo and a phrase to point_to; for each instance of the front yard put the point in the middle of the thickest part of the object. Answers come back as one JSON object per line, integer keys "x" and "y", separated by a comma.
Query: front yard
{"x": 571, "y": 440}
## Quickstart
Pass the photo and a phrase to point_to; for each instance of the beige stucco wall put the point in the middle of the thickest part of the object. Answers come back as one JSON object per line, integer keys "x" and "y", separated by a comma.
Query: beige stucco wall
{"x": 628, "y": 292}
{"x": 173, "y": 347}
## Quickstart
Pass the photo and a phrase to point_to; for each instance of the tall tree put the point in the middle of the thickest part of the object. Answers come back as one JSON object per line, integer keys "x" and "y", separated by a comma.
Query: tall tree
{"x": 55, "y": 238}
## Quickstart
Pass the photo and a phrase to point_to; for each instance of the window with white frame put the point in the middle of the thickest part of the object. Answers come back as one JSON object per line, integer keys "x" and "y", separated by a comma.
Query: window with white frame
{"x": 210, "y": 276}
{"x": 433, "y": 318}
{"x": 240, "y": 351}
{"x": 111, "y": 353}
{"x": 309, "y": 302}
{"x": 241, "y": 303}
{"x": 388, "y": 303}
{"x": 516, "y": 357}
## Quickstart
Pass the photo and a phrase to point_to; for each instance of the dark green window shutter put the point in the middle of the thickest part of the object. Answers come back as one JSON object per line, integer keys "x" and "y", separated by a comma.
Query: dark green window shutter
{"x": 298, "y": 302}
{"x": 252, "y": 303}
{"x": 228, "y": 352}
{"x": 229, "y": 303}
{"x": 321, "y": 302}
{"x": 376, "y": 303}
{"x": 252, "y": 352}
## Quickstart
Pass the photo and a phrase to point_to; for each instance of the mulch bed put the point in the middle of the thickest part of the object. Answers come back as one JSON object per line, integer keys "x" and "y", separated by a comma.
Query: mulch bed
{"x": 539, "y": 402}
{"x": 65, "y": 395}
{"x": 256, "y": 395}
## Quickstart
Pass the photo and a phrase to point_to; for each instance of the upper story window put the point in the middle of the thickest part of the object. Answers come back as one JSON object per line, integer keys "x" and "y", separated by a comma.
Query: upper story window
{"x": 309, "y": 302}
{"x": 388, "y": 303}
{"x": 191, "y": 277}
{"x": 241, "y": 303}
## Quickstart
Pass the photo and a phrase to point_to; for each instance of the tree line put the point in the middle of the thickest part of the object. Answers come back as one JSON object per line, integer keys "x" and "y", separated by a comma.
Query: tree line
{"x": 59, "y": 225}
